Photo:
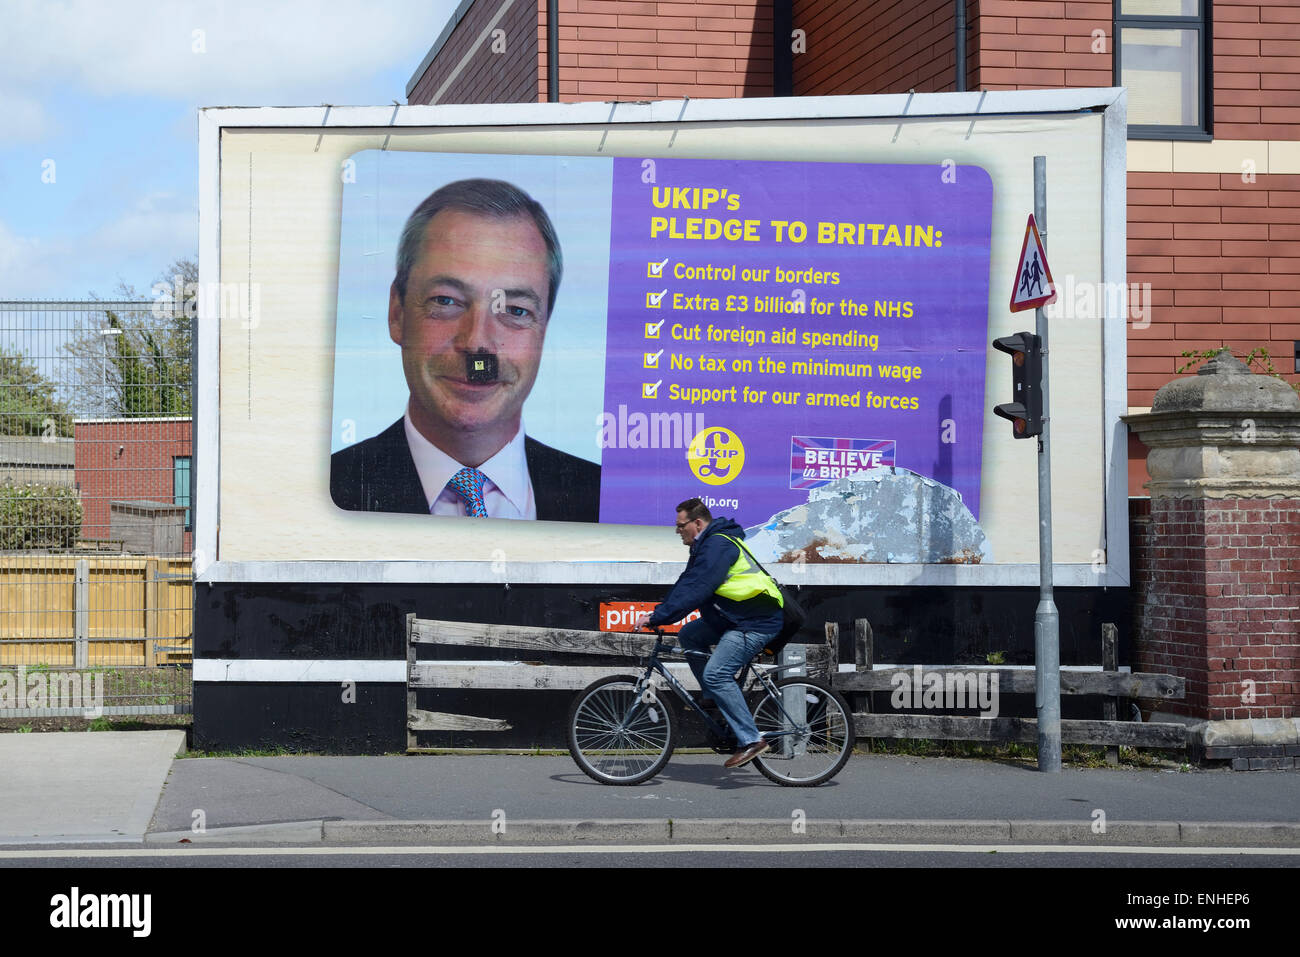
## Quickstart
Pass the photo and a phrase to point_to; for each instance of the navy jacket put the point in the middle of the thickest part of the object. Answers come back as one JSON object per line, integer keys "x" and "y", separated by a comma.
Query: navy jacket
{"x": 711, "y": 556}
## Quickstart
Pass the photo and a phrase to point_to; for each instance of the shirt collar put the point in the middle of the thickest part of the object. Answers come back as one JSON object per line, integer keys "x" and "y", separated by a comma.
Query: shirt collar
{"x": 507, "y": 470}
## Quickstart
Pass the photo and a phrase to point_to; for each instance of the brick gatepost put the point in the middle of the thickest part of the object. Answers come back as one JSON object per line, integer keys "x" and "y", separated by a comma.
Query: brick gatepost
{"x": 1217, "y": 590}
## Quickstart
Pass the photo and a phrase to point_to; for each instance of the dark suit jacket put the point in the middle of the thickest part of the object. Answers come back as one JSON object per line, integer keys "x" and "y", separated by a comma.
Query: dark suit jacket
{"x": 379, "y": 475}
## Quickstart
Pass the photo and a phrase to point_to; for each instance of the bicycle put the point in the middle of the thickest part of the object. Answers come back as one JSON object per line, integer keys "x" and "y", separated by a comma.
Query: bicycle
{"x": 622, "y": 731}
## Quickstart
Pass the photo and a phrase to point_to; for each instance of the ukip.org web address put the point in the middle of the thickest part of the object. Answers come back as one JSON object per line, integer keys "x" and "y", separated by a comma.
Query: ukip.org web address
{"x": 1172, "y": 922}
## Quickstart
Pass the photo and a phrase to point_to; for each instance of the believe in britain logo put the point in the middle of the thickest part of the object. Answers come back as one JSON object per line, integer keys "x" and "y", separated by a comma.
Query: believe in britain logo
{"x": 818, "y": 460}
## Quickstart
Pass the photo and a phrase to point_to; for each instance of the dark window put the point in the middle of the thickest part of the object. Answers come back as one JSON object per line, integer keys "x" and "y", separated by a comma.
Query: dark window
{"x": 1163, "y": 55}
{"x": 181, "y": 487}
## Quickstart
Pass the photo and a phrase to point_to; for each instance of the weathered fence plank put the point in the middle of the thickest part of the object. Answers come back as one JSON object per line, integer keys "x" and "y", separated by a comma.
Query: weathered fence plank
{"x": 528, "y": 638}
{"x": 410, "y": 683}
{"x": 1021, "y": 681}
{"x": 817, "y": 661}
{"x": 1025, "y": 730}
{"x": 418, "y": 720}
{"x": 820, "y": 661}
{"x": 863, "y": 648}
{"x": 1110, "y": 665}
{"x": 525, "y": 676}
{"x": 863, "y": 658}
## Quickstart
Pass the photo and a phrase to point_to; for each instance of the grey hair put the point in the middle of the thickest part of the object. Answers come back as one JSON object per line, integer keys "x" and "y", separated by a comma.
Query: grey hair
{"x": 489, "y": 197}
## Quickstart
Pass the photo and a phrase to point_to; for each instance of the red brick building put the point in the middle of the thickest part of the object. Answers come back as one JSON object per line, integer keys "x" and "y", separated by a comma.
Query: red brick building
{"x": 1214, "y": 114}
{"x": 1213, "y": 234}
{"x": 137, "y": 460}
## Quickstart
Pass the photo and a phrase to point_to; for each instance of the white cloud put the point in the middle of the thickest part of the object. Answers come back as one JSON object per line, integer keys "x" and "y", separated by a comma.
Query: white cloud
{"x": 22, "y": 118}
{"x": 158, "y": 225}
{"x": 295, "y": 50}
{"x": 134, "y": 247}
{"x": 20, "y": 260}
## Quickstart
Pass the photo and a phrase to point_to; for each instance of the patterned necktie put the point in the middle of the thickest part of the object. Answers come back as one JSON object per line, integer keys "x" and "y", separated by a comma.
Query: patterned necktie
{"x": 468, "y": 484}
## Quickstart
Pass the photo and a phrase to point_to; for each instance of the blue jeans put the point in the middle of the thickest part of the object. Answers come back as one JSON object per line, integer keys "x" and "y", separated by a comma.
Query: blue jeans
{"x": 717, "y": 676}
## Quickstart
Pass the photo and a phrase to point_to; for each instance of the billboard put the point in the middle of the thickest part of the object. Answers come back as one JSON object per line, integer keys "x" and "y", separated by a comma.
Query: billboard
{"x": 740, "y": 331}
{"x": 782, "y": 308}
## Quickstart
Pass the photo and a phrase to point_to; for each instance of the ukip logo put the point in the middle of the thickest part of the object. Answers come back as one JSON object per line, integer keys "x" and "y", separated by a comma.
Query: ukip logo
{"x": 716, "y": 455}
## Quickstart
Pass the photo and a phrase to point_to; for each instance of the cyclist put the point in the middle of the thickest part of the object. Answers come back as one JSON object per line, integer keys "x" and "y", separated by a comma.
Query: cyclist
{"x": 740, "y": 610}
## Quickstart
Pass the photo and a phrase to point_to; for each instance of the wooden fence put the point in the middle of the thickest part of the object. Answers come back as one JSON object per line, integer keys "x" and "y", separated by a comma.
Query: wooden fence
{"x": 66, "y": 611}
{"x": 821, "y": 660}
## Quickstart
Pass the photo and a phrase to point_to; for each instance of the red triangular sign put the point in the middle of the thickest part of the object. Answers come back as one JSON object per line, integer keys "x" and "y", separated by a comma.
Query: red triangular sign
{"x": 1033, "y": 286}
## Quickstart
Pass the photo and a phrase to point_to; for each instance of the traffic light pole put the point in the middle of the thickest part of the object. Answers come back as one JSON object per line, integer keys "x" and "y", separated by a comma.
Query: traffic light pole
{"x": 1047, "y": 622}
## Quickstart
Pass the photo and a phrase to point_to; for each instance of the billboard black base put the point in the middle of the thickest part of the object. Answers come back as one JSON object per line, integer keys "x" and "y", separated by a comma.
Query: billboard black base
{"x": 320, "y": 667}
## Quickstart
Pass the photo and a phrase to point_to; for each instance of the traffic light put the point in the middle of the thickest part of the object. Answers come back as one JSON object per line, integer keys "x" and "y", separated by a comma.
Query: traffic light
{"x": 1026, "y": 412}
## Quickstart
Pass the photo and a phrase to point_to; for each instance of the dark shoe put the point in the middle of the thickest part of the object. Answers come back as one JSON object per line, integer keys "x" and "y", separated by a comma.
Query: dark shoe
{"x": 745, "y": 755}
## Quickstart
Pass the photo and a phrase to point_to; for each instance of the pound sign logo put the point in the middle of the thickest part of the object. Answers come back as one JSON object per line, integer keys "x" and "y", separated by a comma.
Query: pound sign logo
{"x": 716, "y": 456}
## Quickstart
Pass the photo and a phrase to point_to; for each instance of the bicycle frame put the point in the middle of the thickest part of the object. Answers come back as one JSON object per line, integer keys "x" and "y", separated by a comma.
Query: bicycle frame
{"x": 655, "y": 666}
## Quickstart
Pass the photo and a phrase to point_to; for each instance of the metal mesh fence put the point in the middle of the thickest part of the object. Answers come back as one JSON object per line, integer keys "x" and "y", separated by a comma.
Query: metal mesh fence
{"x": 96, "y": 506}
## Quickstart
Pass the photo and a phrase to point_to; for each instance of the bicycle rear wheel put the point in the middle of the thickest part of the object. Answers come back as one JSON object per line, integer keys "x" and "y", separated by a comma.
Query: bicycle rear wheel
{"x": 810, "y": 733}
{"x": 617, "y": 737}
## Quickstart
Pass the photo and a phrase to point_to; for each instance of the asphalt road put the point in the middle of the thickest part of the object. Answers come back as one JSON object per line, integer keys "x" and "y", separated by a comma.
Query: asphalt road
{"x": 240, "y": 791}
{"x": 642, "y": 857}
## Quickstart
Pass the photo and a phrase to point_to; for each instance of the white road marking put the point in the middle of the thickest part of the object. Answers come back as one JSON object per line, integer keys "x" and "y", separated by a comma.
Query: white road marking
{"x": 318, "y": 850}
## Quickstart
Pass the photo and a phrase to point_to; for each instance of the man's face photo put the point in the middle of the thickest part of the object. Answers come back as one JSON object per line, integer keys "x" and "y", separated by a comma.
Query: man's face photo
{"x": 479, "y": 284}
{"x": 477, "y": 266}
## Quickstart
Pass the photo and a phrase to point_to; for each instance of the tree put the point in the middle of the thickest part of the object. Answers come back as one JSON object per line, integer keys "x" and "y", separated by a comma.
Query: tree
{"x": 140, "y": 358}
{"x": 152, "y": 379}
{"x": 28, "y": 401}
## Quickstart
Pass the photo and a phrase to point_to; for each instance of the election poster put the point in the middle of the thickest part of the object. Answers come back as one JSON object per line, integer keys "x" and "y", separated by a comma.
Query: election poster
{"x": 746, "y": 332}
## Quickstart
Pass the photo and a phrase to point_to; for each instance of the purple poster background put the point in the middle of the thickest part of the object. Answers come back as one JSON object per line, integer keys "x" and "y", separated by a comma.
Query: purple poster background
{"x": 695, "y": 351}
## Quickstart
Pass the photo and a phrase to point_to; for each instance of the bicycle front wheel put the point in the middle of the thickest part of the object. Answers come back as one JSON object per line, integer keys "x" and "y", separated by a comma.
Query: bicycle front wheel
{"x": 617, "y": 733}
{"x": 809, "y": 729}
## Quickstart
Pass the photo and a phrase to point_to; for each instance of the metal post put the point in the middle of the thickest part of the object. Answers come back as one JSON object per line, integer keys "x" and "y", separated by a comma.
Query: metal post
{"x": 553, "y": 51}
{"x": 960, "y": 45}
{"x": 1047, "y": 624}
{"x": 81, "y": 614}
{"x": 792, "y": 699}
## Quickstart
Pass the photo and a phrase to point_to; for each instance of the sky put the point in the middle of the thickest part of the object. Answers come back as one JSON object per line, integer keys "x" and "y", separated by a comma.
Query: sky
{"x": 98, "y": 116}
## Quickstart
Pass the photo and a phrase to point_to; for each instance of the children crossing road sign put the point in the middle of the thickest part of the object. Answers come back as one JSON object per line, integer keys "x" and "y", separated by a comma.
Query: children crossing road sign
{"x": 1033, "y": 286}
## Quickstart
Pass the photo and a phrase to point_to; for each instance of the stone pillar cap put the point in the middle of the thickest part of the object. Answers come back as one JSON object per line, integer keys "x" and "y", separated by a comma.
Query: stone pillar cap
{"x": 1224, "y": 384}
{"x": 1223, "y": 433}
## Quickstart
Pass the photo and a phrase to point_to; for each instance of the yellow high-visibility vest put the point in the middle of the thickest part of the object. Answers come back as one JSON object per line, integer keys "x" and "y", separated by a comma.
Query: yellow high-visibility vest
{"x": 746, "y": 580}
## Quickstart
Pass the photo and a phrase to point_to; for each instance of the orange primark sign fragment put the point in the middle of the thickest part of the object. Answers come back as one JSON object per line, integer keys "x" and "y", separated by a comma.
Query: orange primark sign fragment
{"x": 628, "y": 615}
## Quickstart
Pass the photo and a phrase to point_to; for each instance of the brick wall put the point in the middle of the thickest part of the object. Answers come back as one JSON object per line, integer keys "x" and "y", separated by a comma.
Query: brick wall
{"x": 124, "y": 460}
{"x": 1222, "y": 255}
{"x": 630, "y": 50}
{"x": 1027, "y": 45}
{"x": 501, "y": 75}
{"x": 1223, "y": 260}
{"x": 1256, "y": 71}
{"x": 879, "y": 46}
{"x": 1217, "y": 600}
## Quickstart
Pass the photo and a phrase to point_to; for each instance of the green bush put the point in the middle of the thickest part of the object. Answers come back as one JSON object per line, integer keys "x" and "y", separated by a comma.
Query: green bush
{"x": 39, "y": 516}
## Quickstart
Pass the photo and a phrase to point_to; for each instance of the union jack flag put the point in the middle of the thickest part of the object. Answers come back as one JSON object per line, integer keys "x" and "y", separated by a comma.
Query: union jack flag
{"x": 834, "y": 458}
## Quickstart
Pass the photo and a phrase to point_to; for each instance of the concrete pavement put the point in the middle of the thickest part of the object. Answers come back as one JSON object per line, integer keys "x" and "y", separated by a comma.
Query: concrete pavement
{"x": 63, "y": 788}
{"x": 75, "y": 787}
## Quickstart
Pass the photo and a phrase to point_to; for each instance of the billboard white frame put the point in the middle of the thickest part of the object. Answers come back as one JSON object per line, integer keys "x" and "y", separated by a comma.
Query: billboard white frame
{"x": 671, "y": 114}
